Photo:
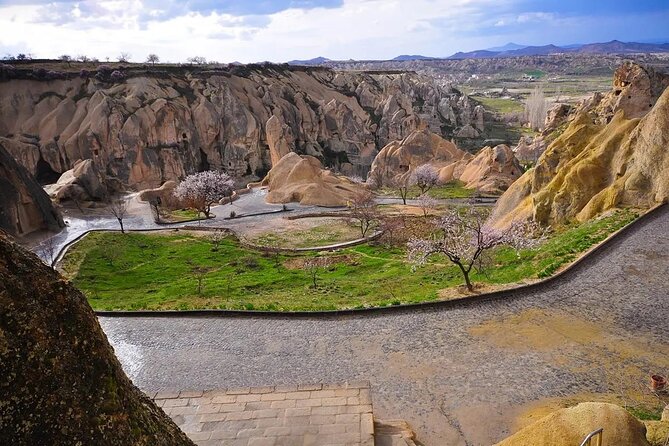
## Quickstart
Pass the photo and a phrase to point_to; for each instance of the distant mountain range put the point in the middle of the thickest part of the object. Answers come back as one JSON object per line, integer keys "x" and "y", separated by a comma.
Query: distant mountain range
{"x": 515, "y": 50}
{"x": 612, "y": 47}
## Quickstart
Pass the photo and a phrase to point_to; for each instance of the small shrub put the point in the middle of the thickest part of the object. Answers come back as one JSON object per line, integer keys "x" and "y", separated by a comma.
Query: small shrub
{"x": 250, "y": 262}
{"x": 84, "y": 74}
{"x": 233, "y": 214}
{"x": 117, "y": 76}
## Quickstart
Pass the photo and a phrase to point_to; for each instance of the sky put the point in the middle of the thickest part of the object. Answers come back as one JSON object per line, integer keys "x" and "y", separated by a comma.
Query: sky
{"x": 283, "y": 30}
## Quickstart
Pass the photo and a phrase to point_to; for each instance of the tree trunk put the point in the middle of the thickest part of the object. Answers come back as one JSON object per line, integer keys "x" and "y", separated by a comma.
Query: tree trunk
{"x": 120, "y": 222}
{"x": 465, "y": 273}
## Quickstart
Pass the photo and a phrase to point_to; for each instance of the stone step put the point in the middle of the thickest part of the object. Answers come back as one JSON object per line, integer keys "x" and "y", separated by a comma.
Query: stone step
{"x": 394, "y": 433}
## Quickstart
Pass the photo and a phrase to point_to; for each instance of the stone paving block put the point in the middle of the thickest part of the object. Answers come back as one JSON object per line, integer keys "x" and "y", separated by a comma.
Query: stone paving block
{"x": 250, "y": 433}
{"x": 322, "y": 394}
{"x": 183, "y": 410}
{"x": 235, "y": 407}
{"x": 337, "y": 401}
{"x": 284, "y": 404}
{"x": 190, "y": 393}
{"x": 312, "y": 402}
{"x": 277, "y": 431}
{"x": 325, "y": 410}
{"x": 300, "y": 395}
{"x": 217, "y": 416}
{"x": 256, "y": 405}
{"x": 367, "y": 429}
{"x": 224, "y": 399}
{"x": 247, "y": 398}
{"x": 238, "y": 390}
{"x": 237, "y": 416}
{"x": 262, "y": 441}
{"x": 285, "y": 388}
{"x": 332, "y": 428}
{"x": 268, "y": 413}
{"x": 176, "y": 402}
{"x": 272, "y": 396}
{"x": 310, "y": 387}
{"x": 300, "y": 411}
{"x": 365, "y": 396}
{"x": 322, "y": 419}
{"x": 264, "y": 389}
{"x": 208, "y": 408}
{"x": 224, "y": 434}
{"x": 296, "y": 421}
{"x": 352, "y": 401}
{"x": 199, "y": 401}
{"x": 346, "y": 392}
{"x": 347, "y": 418}
{"x": 164, "y": 394}
{"x": 199, "y": 436}
{"x": 269, "y": 422}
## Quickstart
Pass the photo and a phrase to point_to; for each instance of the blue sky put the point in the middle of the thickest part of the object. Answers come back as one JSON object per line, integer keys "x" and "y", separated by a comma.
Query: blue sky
{"x": 281, "y": 30}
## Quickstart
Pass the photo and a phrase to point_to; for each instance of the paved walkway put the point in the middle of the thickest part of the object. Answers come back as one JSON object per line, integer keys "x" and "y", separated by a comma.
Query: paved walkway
{"x": 297, "y": 415}
{"x": 459, "y": 376}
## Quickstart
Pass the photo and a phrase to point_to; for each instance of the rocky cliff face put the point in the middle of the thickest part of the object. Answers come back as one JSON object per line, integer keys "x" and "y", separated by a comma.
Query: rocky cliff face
{"x": 24, "y": 206}
{"x": 603, "y": 159}
{"x": 61, "y": 383}
{"x": 154, "y": 126}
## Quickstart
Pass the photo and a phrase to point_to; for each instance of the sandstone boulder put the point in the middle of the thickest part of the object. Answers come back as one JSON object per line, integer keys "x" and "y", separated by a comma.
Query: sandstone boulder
{"x": 24, "y": 206}
{"x": 79, "y": 183}
{"x": 492, "y": 170}
{"x": 302, "y": 179}
{"x": 61, "y": 383}
{"x": 568, "y": 427}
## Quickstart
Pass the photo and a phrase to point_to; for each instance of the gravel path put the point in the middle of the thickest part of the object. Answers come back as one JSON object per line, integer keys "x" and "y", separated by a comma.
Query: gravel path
{"x": 459, "y": 376}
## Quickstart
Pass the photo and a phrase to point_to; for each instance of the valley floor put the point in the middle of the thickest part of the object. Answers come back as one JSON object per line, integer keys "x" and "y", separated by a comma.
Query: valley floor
{"x": 467, "y": 375}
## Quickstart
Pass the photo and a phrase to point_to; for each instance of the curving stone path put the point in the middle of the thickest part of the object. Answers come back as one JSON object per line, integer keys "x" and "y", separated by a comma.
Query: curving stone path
{"x": 460, "y": 376}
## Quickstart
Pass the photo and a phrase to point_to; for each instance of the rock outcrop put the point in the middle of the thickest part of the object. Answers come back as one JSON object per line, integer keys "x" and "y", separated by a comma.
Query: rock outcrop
{"x": 568, "y": 427}
{"x": 597, "y": 164}
{"x": 61, "y": 383}
{"x": 154, "y": 126}
{"x": 302, "y": 179}
{"x": 24, "y": 206}
{"x": 492, "y": 170}
{"x": 79, "y": 183}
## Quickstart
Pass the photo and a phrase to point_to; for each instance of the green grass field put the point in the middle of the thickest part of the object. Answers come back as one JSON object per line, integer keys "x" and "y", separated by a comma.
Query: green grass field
{"x": 335, "y": 231}
{"x": 452, "y": 189}
{"x": 500, "y": 105}
{"x": 161, "y": 271}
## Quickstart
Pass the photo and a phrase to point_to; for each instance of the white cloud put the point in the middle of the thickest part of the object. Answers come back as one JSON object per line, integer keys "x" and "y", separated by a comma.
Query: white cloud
{"x": 356, "y": 29}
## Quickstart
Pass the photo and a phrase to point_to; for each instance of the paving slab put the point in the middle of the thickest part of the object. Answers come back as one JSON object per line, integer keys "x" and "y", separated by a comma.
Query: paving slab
{"x": 339, "y": 415}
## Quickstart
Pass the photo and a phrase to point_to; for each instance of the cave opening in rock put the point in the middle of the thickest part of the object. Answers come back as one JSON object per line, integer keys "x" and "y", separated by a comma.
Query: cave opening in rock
{"x": 44, "y": 174}
{"x": 204, "y": 162}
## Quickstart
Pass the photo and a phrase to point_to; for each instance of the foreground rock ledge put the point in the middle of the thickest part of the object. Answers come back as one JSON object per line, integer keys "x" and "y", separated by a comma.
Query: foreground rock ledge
{"x": 60, "y": 383}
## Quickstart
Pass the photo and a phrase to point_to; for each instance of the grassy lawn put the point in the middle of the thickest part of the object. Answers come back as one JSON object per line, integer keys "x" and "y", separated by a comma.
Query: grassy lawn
{"x": 336, "y": 231}
{"x": 179, "y": 215}
{"x": 452, "y": 189}
{"x": 500, "y": 105}
{"x": 157, "y": 271}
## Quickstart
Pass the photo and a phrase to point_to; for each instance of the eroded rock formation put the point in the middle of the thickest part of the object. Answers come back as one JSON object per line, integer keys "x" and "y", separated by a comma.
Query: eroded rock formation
{"x": 61, "y": 383}
{"x": 492, "y": 170}
{"x": 24, "y": 206}
{"x": 157, "y": 126}
{"x": 302, "y": 179}
{"x": 599, "y": 162}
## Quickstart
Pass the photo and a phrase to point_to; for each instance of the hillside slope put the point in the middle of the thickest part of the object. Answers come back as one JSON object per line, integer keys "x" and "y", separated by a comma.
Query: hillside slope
{"x": 613, "y": 153}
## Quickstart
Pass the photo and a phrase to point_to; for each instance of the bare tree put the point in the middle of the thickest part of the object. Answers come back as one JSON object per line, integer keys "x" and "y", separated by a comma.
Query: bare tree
{"x": 200, "y": 190}
{"x": 426, "y": 204}
{"x": 402, "y": 183}
{"x": 119, "y": 209}
{"x": 425, "y": 177}
{"x": 464, "y": 238}
{"x": 536, "y": 109}
{"x": 153, "y": 58}
{"x": 313, "y": 265}
{"x": 363, "y": 211}
{"x": 65, "y": 58}
{"x": 391, "y": 225}
{"x": 124, "y": 57}
{"x": 50, "y": 251}
{"x": 83, "y": 58}
{"x": 199, "y": 273}
{"x": 198, "y": 60}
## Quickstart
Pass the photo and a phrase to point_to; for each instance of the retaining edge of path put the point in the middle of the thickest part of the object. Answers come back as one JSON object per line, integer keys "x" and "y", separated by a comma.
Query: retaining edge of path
{"x": 441, "y": 304}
